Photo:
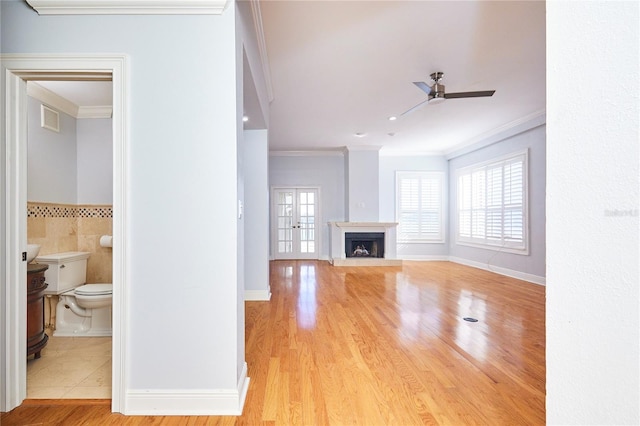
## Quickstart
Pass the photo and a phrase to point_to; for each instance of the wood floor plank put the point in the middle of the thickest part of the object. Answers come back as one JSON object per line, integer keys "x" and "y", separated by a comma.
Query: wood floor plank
{"x": 373, "y": 346}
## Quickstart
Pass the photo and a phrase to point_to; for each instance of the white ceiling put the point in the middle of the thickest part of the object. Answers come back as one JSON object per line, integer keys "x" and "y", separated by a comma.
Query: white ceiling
{"x": 340, "y": 68}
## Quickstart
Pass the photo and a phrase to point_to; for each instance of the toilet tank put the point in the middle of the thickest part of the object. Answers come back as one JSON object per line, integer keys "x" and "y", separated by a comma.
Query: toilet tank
{"x": 66, "y": 270}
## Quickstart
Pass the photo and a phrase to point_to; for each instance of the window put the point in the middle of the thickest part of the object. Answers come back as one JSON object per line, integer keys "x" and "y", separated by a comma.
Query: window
{"x": 419, "y": 207}
{"x": 492, "y": 204}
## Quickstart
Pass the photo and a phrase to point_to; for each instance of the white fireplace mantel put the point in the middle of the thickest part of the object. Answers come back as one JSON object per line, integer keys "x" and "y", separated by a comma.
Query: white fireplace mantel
{"x": 338, "y": 255}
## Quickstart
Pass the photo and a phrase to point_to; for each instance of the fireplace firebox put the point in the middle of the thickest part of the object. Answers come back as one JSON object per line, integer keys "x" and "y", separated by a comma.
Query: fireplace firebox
{"x": 364, "y": 244}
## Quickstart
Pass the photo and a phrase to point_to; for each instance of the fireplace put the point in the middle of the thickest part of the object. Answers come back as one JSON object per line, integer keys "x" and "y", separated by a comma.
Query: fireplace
{"x": 377, "y": 241}
{"x": 364, "y": 244}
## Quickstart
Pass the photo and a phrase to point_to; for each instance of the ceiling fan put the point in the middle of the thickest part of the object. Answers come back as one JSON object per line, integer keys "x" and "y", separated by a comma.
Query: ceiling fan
{"x": 436, "y": 92}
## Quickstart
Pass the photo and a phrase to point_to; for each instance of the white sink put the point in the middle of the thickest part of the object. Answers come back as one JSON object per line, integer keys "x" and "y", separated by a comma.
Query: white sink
{"x": 32, "y": 251}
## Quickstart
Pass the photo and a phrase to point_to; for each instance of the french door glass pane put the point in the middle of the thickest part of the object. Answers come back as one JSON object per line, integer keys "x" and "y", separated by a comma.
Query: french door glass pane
{"x": 285, "y": 222}
{"x": 306, "y": 222}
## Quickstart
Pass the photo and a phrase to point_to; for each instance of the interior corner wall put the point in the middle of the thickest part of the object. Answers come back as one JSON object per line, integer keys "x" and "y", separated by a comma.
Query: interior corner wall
{"x": 593, "y": 201}
{"x": 363, "y": 198}
{"x": 531, "y": 266}
{"x": 72, "y": 166}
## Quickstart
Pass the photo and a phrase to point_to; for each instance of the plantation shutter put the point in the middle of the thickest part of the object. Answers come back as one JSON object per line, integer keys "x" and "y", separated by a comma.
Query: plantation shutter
{"x": 419, "y": 208}
{"x": 492, "y": 203}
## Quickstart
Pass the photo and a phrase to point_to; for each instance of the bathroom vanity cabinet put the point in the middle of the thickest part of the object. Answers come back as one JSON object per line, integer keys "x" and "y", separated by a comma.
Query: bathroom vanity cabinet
{"x": 36, "y": 337}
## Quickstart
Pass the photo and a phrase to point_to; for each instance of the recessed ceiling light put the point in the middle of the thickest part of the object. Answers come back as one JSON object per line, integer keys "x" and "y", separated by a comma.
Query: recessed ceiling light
{"x": 393, "y": 118}
{"x": 360, "y": 135}
{"x": 245, "y": 118}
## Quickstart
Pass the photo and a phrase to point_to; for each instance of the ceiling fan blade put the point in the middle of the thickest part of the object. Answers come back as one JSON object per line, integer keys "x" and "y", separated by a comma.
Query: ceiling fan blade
{"x": 469, "y": 94}
{"x": 423, "y": 86}
{"x": 414, "y": 108}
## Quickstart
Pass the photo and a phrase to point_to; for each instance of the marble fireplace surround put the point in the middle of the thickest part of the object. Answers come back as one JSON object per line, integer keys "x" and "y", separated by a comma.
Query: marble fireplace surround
{"x": 337, "y": 255}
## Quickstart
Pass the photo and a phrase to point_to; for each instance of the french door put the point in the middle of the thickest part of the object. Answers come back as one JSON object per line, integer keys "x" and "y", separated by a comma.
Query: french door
{"x": 294, "y": 216}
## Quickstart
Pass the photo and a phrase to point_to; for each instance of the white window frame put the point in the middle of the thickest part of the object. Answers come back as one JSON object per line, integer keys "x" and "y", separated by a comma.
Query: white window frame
{"x": 421, "y": 238}
{"x": 516, "y": 247}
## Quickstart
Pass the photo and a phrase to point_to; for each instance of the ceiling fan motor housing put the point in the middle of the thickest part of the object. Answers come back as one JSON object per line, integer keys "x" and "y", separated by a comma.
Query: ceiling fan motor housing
{"x": 437, "y": 93}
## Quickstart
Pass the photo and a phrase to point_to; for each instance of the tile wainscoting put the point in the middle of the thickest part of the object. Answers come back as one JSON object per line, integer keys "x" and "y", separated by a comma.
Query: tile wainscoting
{"x": 68, "y": 227}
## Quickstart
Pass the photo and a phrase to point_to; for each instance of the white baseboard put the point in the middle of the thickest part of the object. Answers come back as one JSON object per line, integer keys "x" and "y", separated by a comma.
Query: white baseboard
{"x": 536, "y": 279}
{"x": 257, "y": 295}
{"x": 192, "y": 402}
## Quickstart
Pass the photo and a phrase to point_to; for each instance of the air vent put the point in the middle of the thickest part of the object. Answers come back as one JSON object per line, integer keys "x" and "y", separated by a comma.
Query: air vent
{"x": 49, "y": 118}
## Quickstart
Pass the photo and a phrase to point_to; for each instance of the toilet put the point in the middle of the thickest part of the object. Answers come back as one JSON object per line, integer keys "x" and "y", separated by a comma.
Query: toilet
{"x": 83, "y": 309}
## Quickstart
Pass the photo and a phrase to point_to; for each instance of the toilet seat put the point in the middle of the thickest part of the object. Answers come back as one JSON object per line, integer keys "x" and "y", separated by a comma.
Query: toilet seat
{"x": 94, "y": 290}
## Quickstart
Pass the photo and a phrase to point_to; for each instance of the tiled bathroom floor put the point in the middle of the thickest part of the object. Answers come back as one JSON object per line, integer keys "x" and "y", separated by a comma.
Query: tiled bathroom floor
{"x": 71, "y": 367}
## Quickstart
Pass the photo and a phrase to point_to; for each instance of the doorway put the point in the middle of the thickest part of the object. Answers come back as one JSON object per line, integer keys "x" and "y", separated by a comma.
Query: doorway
{"x": 69, "y": 208}
{"x": 17, "y": 70}
{"x": 295, "y": 217}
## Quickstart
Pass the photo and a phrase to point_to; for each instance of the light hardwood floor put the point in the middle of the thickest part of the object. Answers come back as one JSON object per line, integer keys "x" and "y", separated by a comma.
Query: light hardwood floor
{"x": 374, "y": 346}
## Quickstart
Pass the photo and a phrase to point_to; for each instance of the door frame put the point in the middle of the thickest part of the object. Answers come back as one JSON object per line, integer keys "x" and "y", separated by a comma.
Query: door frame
{"x": 16, "y": 70}
{"x": 272, "y": 214}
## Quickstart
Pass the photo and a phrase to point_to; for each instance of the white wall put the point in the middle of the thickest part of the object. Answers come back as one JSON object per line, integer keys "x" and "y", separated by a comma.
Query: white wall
{"x": 593, "y": 117}
{"x": 325, "y": 171}
{"x": 256, "y": 215}
{"x": 52, "y": 159}
{"x": 182, "y": 127}
{"x": 389, "y": 165}
{"x": 533, "y": 264}
{"x": 95, "y": 160}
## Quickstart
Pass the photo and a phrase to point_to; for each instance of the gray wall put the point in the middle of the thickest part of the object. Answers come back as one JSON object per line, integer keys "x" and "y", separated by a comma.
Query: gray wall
{"x": 324, "y": 171}
{"x": 51, "y": 159}
{"x": 328, "y": 172}
{"x": 95, "y": 161}
{"x": 534, "y": 263}
{"x": 389, "y": 165}
{"x": 256, "y": 212}
{"x": 73, "y": 166}
{"x": 362, "y": 177}
{"x": 182, "y": 126}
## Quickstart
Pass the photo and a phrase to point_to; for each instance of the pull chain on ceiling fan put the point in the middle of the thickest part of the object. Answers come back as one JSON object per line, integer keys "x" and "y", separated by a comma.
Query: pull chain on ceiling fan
{"x": 436, "y": 93}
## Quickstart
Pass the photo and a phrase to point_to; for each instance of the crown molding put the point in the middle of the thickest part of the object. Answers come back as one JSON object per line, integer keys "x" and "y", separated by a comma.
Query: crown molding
{"x": 51, "y": 99}
{"x": 128, "y": 7}
{"x": 363, "y": 148}
{"x": 396, "y": 153}
{"x": 64, "y": 105}
{"x": 315, "y": 153}
{"x": 95, "y": 112}
{"x": 528, "y": 122}
{"x": 262, "y": 46}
